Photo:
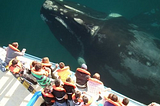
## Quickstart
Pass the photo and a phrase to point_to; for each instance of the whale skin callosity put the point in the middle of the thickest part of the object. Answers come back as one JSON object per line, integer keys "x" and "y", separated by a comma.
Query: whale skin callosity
{"x": 127, "y": 57}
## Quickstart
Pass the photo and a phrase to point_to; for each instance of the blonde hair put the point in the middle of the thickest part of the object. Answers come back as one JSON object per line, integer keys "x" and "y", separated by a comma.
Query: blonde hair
{"x": 97, "y": 76}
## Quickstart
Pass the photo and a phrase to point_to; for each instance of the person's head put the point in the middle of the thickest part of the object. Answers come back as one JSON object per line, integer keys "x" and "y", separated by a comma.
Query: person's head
{"x": 114, "y": 98}
{"x": 75, "y": 100}
{"x": 15, "y": 44}
{"x": 14, "y": 62}
{"x": 38, "y": 66}
{"x": 57, "y": 82}
{"x": 77, "y": 94}
{"x": 34, "y": 63}
{"x": 96, "y": 76}
{"x": 84, "y": 66}
{"x": 61, "y": 65}
{"x": 48, "y": 89}
{"x": 85, "y": 99}
{"x": 46, "y": 62}
{"x": 153, "y": 104}
{"x": 68, "y": 79}
{"x": 125, "y": 101}
{"x": 110, "y": 96}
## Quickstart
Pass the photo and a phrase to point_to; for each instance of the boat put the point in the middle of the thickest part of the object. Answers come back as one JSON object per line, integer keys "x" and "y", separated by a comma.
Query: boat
{"x": 35, "y": 98}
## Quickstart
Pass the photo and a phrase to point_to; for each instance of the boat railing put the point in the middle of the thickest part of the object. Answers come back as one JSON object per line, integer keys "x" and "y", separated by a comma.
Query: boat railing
{"x": 35, "y": 98}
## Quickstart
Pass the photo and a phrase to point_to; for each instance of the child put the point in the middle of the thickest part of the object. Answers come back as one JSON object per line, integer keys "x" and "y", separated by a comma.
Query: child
{"x": 77, "y": 99}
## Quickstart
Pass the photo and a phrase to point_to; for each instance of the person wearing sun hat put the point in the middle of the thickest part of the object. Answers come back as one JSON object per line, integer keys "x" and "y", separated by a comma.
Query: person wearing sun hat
{"x": 48, "y": 66}
{"x": 46, "y": 62}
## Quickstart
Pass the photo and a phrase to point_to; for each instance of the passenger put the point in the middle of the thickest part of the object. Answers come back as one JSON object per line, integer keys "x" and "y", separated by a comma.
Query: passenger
{"x": 48, "y": 97}
{"x": 109, "y": 96}
{"x": 70, "y": 89}
{"x": 33, "y": 64}
{"x": 95, "y": 87}
{"x": 82, "y": 76}
{"x": 48, "y": 67}
{"x": 77, "y": 98}
{"x": 15, "y": 67}
{"x": 106, "y": 98}
{"x": 125, "y": 101}
{"x": 98, "y": 91}
{"x": 13, "y": 51}
{"x": 64, "y": 71}
{"x": 114, "y": 98}
{"x": 113, "y": 101}
{"x": 18, "y": 70}
{"x": 87, "y": 101}
{"x": 95, "y": 81}
{"x": 60, "y": 94}
{"x": 41, "y": 75}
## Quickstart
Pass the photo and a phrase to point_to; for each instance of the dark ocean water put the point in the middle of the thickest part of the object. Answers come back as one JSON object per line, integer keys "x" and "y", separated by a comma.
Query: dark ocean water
{"x": 20, "y": 21}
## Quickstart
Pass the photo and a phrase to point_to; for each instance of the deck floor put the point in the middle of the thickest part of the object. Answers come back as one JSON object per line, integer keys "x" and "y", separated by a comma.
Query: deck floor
{"x": 12, "y": 92}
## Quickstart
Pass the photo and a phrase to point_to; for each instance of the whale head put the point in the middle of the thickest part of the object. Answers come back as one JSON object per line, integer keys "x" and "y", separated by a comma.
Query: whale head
{"x": 71, "y": 16}
{"x": 72, "y": 23}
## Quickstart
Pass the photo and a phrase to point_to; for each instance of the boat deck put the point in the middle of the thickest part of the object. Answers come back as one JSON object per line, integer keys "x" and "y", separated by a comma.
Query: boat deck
{"x": 13, "y": 93}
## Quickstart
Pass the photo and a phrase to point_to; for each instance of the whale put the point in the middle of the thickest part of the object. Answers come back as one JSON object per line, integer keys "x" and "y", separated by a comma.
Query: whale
{"x": 125, "y": 55}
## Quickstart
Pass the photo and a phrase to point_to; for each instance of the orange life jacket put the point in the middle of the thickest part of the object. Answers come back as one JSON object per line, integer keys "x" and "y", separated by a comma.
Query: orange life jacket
{"x": 31, "y": 66}
{"x": 48, "y": 97}
{"x": 14, "y": 48}
{"x": 15, "y": 69}
{"x": 64, "y": 73}
{"x": 58, "y": 88}
{"x": 59, "y": 93}
{"x": 82, "y": 78}
{"x": 70, "y": 84}
{"x": 69, "y": 87}
{"x": 90, "y": 100}
{"x": 39, "y": 72}
{"x": 19, "y": 63}
{"x": 83, "y": 71}
{"x": 79, "y": 99}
